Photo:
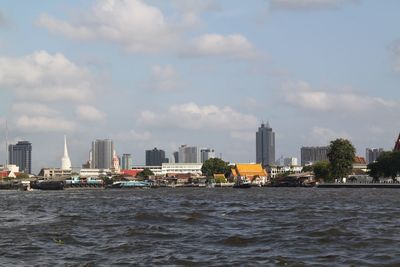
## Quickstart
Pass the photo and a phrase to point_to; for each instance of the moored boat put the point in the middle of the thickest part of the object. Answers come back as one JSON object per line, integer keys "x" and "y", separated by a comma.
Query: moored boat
{"x": 47, "y": 185}
{"x": 242, "y": 183}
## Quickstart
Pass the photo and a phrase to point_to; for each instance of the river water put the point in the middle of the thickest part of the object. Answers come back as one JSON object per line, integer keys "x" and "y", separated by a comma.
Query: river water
{"x": 201, "y": 227}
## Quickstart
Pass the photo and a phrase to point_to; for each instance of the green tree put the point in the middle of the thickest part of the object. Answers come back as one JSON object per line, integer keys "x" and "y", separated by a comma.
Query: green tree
{"x": 341, "y": 157}
{"x": 22, "y": 175}
{"x": 387, "y": 165}
{"x": 145, "y": 173}
{"x": 308, "y": 168}
{"x": 322, "y": 171}
{"x": 215, "y": 166}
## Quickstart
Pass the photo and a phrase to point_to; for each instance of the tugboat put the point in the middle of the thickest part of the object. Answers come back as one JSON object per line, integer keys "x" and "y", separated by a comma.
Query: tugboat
{"x": 242, "y": 182}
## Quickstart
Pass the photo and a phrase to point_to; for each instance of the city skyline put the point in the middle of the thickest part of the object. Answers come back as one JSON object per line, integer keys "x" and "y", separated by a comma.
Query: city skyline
{"x": 198, "y": 72}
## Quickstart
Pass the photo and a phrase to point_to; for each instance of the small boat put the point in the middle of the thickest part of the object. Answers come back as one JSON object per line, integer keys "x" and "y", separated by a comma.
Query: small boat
{"x": 242, "y": 183}
{"x": 130, "y": 184}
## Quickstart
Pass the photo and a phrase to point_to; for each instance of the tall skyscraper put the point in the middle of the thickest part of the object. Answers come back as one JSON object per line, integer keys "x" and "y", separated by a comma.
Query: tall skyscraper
{"x": 126, "y": 162}
{"x": 310, "y": 155}
{"x": 155, "y": 157}
{"x": 65, "y": 160}
{"x": 176, "y": 156}
{"x": 372, "y": 154}
{"x": 189, "y": 154}
{"x": 206, "y": 153}
{"x": 265, "y": 145}
{"x": 102, "y": 154}
{"x": 21, "y": 155}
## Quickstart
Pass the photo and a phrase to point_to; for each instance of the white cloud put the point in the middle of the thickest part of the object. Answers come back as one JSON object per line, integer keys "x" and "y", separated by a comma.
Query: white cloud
{"x": 165, "y": 78}
{"x": 44, "y": 124}
{"x": 45, "y": 77}
{"x": 89, "y": 113}
{"x": 309, "y": 4}
{"x": 135, "y": 25}
{"x": 194, "y": 117}
{"x": 33, "y": 108}
{"x": 233, "y": 45}
{"x": 301, "y": 95}
{"x": 395, "y": 47}
{"x": 191, "y": 10}
{"x": 322, "y": 136}
{"x": 246, "y": 136}
{"x": 133, "y": 135}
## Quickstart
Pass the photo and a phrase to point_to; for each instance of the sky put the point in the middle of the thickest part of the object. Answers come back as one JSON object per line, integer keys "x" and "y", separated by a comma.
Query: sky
{"x": 154, "y": 73}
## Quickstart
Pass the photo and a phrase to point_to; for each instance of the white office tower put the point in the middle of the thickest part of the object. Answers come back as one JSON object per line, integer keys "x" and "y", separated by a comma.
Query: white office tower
{"x": 65, "y": 161}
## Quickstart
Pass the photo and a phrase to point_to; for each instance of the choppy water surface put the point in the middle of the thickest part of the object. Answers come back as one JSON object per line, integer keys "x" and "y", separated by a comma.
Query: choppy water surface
{"x": 201, "y": 227}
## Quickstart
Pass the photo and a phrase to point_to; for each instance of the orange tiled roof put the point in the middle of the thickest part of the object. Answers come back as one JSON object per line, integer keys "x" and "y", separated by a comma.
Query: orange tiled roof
{"x": 250, "y": 170}
{"x": 359, "y": 160}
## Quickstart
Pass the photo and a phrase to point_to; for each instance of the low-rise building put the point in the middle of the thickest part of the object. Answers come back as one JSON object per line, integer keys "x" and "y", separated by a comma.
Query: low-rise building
{"x": 94, "y": 172}
{"x": 275, "y": 171}
{"x": 255, "y": 173}
{"x": 54, "y": 173}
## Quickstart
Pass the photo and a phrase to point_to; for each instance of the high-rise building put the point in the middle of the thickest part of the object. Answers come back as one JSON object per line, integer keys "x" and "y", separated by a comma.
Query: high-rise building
{"x": 155, "y": 157}
{"x": 65, "y": 160}
{"x": 372, "y": 154}
{"x": 176, "y": 156}
{"x": 126, "y": 162}
{"x": 265, "y": 145}
{"x": 309, "y": 155}
{"x": 21, "y": 155}
{"x": 206, "y": 153}
{"x": 102, "y": 154}
{"x": 189, "y": 154}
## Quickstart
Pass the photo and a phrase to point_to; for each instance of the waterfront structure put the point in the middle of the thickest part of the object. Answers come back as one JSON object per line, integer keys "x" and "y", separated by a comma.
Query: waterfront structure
{"x": 206, "y": 153}
{"x": 126, "y": 162}
{"x": 155, "y": 157}
{"x": 189, "y": 154}
{"x": 9, "y": 170}
{"x": 372, "y": 154}
{"x": 65, "y": 160}
{"x": 310, "y": 155}
{"x": 265, "y": 145}
{"x": 20, "y": 154}
{"x": 95, "y": 172}
{"x": 172, "y": 168}
{"x": 55, "y": 172}
{"x": 290, "y": 161}
{"x": 397, "y": 144}
{"x": 255, "y": 173}
{"x": 102, "y": 154}
{"x": 274, "y": 171}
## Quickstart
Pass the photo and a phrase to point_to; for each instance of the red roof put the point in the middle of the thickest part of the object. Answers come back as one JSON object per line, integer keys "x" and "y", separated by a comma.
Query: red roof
{"x": 132, "y": 173}
{"x": 359, "y": 160}
{"x": 4, "y": 174}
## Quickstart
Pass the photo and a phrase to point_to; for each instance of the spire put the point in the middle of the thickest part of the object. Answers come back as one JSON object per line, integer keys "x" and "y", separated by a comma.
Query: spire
{"x": 397, "y": 145}
{"x": 65, "y": 161}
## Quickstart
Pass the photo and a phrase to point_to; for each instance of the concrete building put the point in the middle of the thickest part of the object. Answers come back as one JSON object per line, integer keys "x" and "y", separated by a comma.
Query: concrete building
{"x": 265, "y": 145}
{"x": 310, "y": 155}
{"x": 126, "y": 162}
{"x": 290, "y": 162}
{"x": 172, "y": 168}
{"x": 206, "y": 153}
{"x": 94, "y": 172}
{"x": 20, "y": 154}
{"x": 102, "y": 154}
{"x": 189, "y": 154}
{"x": 65, "y": 160}
{"x": 155, "y": 157}
{"x": 176, "y": 157}
{"x": 274, "y": 171}
{"x": 397, "y": 144}
{"x": 372, "y": 154}
{"x": 54, "y": 173}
